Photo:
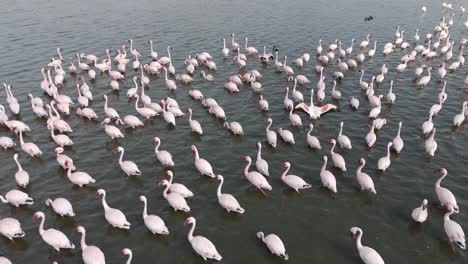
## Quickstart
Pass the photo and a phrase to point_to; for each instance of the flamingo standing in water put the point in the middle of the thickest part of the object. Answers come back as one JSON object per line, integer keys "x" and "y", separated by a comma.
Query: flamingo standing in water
{"x": 204, "y": 247}
{"x": 454, "y": 231}
{"x": 51, "y": 236}
{"x": 364, "y": 180}
{"x": 175, "y": 200}
{"x": 202, "y": 165}
{"x": 154, "y": 223}
{"x": 445, "y": 196}
{"x": 255, "y": 178}
{"x": 227, "y": 201}
{"x": 271, "y": 135}
{"x": 178, "y": 187}
{"x": 21, "y": 176}
{"x": 91, "y": 254}
{"x": 293, "y": 181}
{"x": 114, "y": 217}
{"x": 260, "y": 163}
{"x": 163, "y": 155}
{"x": 128, "y": 166}
{"x": 367, "y": 254}
{"x": 274, "y": 244}
{"x": 419, "y": 214}
{"x": 327, "y": 178}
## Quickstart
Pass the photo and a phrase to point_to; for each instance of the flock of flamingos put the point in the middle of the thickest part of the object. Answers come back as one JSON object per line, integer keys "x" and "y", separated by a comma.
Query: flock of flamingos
{"x": 439, "y": 46}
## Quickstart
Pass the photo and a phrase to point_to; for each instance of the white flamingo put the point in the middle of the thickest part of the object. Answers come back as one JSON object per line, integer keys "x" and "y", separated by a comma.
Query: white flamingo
{"x": 364, "y": 180}
{"x": 11, "y": 228}
{"x": 17, "y": 198}
{"x": 293, "y": 181}
{"x": 337, "y": 159}
{"x": 194, "y": 124}
{"x": 445, "y": 196}
{"x": 260, "y": 163}
{"x": 154, "y": 223}
{"x": 51, "y": 236}
{"x": 327, "y": 178}
{"x": 255, "y": 178}
{"x": 202, "y": 165}
{"x": 91, "y": 254}
{"x": 274, "y": 244}
{"x": 178, "y": 187}
{"x": 367, "y": 254}
{"x": 343, "y": 140}
{"x": 419, "y": 214}
{"x": 164, "y": 157}
{"x": 204, "y": 247}
{"x": 385, "y": 161}
{"x": 271, "y": 135}
{"x": 227, "y": 201}
{"x": 128, "y": 166}
{"x": 454, "y": 231}
{"x": 61, "y": 206}
{"x": 21, "y": 176}
{"x": 79, "y": 178}
{"x": 430, "y": 144}
{"x": 175, "y": 200}
{"x": 114, "y": 217}
{"x": 397, "y": 142}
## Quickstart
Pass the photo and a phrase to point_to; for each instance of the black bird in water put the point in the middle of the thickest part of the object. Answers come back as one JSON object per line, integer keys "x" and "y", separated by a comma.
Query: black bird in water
{"x": 369, "y": 18}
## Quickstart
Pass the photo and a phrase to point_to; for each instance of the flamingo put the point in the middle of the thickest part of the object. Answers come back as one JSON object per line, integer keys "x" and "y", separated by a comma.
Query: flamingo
{"x": 294, "y": 118}
{"x": 286, "y": 136}
{"x": 110, "y": 112}
{"x": 419, "y": 214}
{"x": 343, "y": 140}
{"x": 154, "y": 223}
{"x": 30, "y": 148}
{"x": 327, "y": 178}
{"x": 397, "y": 142}
{"x": 204, "y": 247}
{"x": 175, "y": 200}
{"x": 194, "y": 124}
{"x": 287, "y": 103}
{"x": 127, "y": 252}
{"x": 312, "y": 140}
{"x": 61, "y": 206}
{"x": 271, "y": 135}
{"x": 132, "y": 121}
{"x": 234, "y": 127}
{"x": 293, "y": 181}
{"x": 79, "y": 178}
{"x": 11, "y": 228}
{"x": 129, "y": 167}
{"x": 454, "y": 231}
{"x": 91, "y": 254}
{"x": 264, "y": 106}
{"x": 425, "y": 79}
{"x": 51, "y": 236}
{"x": 17, "y": 198}
{"x": 274, "y": 244}
{"x": 61, "y": 140}
{"x": 144, "y": 111}
{"x": 260, "y": 163}
{"x": 112, "y": 131}
{"x": 114, "y": 217}
{"x": 428, "y": 125}
{"x": 21, "y": 176}
{"x": 202, "y": 165}
{"x": 367, "y": 254}
{"x": 255, "y": 178}
{"x": 371, "y": 137}
{"x": 225, "y": 50}
{"x": 385, "y": 161}
{"x": 431, "y": 144}
{"x": 168, "y": 115}
{"x": 227, "y": 201}
{"x": 364, "y": 180}
{"x": 178, "y": 187}
{"x": 338, "y": 160}
{"x": 445, "y": 196}
{"x": 164, "y": 157}
{"x": 460, "y": 118}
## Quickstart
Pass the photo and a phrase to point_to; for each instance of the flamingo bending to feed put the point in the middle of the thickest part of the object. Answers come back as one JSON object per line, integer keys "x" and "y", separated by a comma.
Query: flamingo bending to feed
{"x": 364, "y": 180}
{"x": 204, "y": 247}
{"x": 163, "y": 155}
{"x": 11, "y": 228}
{"x": 227, "y": 201}
{"x": 21, "y": 176}
{"x": 327, "y": 178}
{"x": 445, "y": 196}
{"x": 419, "y": 214}
{"x": 293, "y": 181}
{"x": 274, "y": 244}
{"x": 255, "y": 178}
{"x": 286, "y": 136}
{"x": 202, "y": 165}
{"x": 91, "y": 254}
{"x": 154, "y": 223}
{"x": 175, "y": 200}
{"x": 51, "y": 236}
{"x": 367, "y": 254}
{"x": 61, "y": 206}
{"x": 114, "y": 217}
{"x": 178, "y": 187}
{"x": 431, "y": 144}
{"x": 129, "y": 167}
{"x": 16, "y": 198}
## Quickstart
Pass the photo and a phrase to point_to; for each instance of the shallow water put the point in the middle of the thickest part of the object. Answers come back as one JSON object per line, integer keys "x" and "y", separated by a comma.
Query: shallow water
{"x": 315, "y": 225}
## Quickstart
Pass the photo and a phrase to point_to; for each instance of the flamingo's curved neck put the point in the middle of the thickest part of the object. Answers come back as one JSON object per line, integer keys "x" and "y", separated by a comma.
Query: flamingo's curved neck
{"x": 246, "y": 169}
{"x": 136, "y": 103}
{"x": 41, "y": 226}
{"x": 83, "y": 241}
{"x": 362, "y": 75}
{"x": 388, "y": 151}
{"x": 105, "y": 102}
{"x": 246, "y": 41}
{"x": 145, "y": 212}
{"x": 165, "y": 190}
{"x": 218, "y": 192}
{"x": 121, "y": 156}
{"x": 359, "y": 168}
{"x": 21, "y": 137}
{"x": 55, "y": 111}
{"x": 268, "y": 127}
{"x": 341, "y": 129}
{"x": 129, "y": 260}
{"x": 190, "y": 234}
{"x": 156, "y": 148}
{"x": 333, "y": 148}
{"x": 17, "y": 163}
{"x": 5, "y": 201}
{"x": 399, "y": 130}
{"x": 324, "y": 166}
{"x": 104, "y": 203}
{"x": 196, "y": 154}
{"x": 259, "y": 153}
{"x": 190, "y": 116}
{"x": 311, "y": 97}
{"x": 285, "y": 172}
{"x": 358, "y": 240}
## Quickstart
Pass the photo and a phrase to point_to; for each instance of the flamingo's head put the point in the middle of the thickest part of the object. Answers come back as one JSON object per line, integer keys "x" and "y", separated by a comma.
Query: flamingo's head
{"x": 80, "y": 229}
{"x": 280, "y": 130}
{"x": 163, "y": 183}
{"x": 362, "y": 161}
{"x": 58, "y": 150}
{"x": 269, "y": 120}
{"x": 141, "y": 198}
{"x": 247, "y": 158}
{"x": 125, "y": 252}
{"x": 169, "y": 173}
{"x": 189, "y": 220}
{"x": 286, "y": 165}
{"x": 156, "y": 140}
{"x": 219, "y": 177}
{"x": 443, "y": 170}
{"x": 194, "y": 148}
{"x": 333, "y": 141}
{"x": 325, "y": 158}
{"x": 37, "y": 215}
{"x": 99, "y": 193}
{"x": 17, "y": 155}
{"x": 355, "y": 232}
{"x": 425, "y": 204}
{"x": 68, "y": 163}
{"x": 120, "y": 149}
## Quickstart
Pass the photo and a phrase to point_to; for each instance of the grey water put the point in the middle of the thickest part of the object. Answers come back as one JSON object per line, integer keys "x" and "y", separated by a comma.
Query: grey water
{"x": 314, "y": 225}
